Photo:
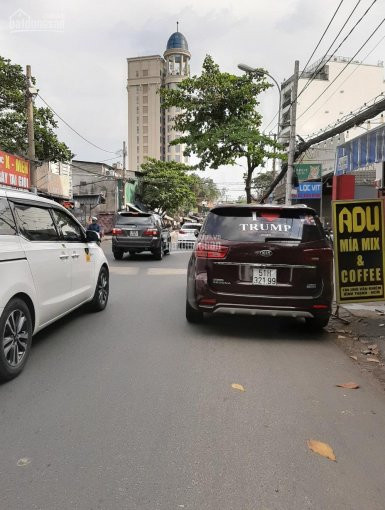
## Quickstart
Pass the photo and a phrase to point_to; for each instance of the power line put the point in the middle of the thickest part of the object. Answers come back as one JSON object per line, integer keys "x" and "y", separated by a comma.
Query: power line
{"x": 318, "y": 67}
{"x": 74, "y": 130}
{"x": 343, "y": 69}
{"x": 346, "y": 79}
{"x": 323, "y": 35}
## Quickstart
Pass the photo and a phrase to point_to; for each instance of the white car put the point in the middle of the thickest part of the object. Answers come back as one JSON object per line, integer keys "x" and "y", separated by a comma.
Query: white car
{"x": 49, "y": 265}
{"x": 187, "y": 234}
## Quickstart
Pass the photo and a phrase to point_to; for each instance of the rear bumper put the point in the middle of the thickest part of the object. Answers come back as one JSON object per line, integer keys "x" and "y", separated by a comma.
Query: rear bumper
{"x": 202, "y": 298}
{"x": 132, "y": 243}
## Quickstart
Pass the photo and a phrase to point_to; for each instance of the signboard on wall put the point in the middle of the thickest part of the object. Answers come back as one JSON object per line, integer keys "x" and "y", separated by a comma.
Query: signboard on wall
{"x": 308, "y": 171}
{"x": 359, "y": 250}
{"x": 309, "y": 190}
{"x": 14, "y": 171}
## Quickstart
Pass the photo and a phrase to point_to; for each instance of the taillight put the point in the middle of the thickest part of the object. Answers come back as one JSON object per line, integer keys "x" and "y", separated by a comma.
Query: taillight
{"x": 117, "y": 231}
{"x": 182, "y": 232}
{"x": 211, "y": 251}
{"x": 150, "y": 232}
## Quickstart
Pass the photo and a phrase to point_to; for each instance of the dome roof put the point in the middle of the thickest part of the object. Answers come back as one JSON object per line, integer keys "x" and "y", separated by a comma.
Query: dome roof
{"x": 177, "y": 41}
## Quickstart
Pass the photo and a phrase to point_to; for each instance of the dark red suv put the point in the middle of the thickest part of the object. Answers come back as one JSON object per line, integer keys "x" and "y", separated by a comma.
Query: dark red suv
{"x": 261, "y": 260}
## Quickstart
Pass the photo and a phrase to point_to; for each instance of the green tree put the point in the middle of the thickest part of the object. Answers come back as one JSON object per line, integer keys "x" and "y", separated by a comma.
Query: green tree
{"x": 166, "y": 186}
{"x": 219, "y": 122}
{"x": 262, "y": 182}
{"x": 13, "y": 121}
{"x": 205, "y": 189}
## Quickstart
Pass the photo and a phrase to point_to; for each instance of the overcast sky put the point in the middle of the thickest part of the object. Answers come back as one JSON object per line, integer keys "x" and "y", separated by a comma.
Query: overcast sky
{"x": 81, "y": 70}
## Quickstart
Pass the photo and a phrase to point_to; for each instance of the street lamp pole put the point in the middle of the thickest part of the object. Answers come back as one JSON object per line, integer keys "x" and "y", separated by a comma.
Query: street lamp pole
{"x": 248, "y": 69}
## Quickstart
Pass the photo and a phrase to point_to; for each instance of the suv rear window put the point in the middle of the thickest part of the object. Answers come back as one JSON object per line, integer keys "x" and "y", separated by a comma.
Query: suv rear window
{"x": 128, "y": 219}
{"x": 7, "y": 223}
{"x": 267, "y": 225}
{"x": 192, "y": 226}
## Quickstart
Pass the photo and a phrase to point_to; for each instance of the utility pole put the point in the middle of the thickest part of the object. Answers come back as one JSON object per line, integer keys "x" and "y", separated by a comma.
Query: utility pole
{"x": 124, "y": 159}
{"x": 124, "y": 180}
{"x": 30, "y": 92}
{"x": 291, "y": 153}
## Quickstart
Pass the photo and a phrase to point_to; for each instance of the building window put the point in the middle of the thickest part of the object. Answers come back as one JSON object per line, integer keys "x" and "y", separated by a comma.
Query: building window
{"x": 137, "y": 109}
{"x": 177, "y": 159}
{"x": 177, "y": 148}
{"x": 145, "y": 130}
{"x": 169, "y": 138}
{"x": 137, "y": 74}
{"x": 145, "y": 89}
{"x": 145, "y": 72}
{"x": 169, "y": 118}
{"x": 137, "y": 140}
{"x": 145, "y": 99}
{"x": 145, "y": 149}
{"x": 137, "y": 159}
{"x": 145, "y": 120}
{"x": 145, "y": 139}
{"x": 137, "y": 129}
{"x": 145, "y": 109}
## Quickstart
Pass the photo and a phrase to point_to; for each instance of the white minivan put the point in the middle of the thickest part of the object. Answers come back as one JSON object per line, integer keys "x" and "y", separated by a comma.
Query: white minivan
{"x": 49, "y": 265}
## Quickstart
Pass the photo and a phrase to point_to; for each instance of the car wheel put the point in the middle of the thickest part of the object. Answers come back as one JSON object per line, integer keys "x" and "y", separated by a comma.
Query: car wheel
{"x": 159, "y": 252}
{"x": 317, "y": 323}
{"x": 100, "y": 299}
{"x": 192, "y": 315}
{"x": 15, "y": 338}
{"x": 132, "y": 253}
{"x": 118, "y": 254}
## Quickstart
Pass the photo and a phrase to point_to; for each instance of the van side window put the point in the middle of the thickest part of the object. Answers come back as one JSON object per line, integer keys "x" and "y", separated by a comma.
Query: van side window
{"x": 7, "y": 223}
{"x": 36, "y": 223}
{"x": 68, "y": 228}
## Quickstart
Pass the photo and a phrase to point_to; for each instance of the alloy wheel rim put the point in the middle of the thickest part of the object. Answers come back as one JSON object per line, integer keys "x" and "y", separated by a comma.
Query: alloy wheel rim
{"x": 15, "y": 338}
{"x": 103, "y": 288}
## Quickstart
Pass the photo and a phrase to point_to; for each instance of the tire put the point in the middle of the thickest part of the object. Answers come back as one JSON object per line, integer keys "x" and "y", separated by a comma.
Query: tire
{"x": 14, "y": 353}
{"x": 118, "y": 254}
{"x": 132, "y": 253}
{"x": 318, "y": 323}
{"x": 193, "y": 316}
{"x": 100, "y": 299}
{"x": 159, "y": 252}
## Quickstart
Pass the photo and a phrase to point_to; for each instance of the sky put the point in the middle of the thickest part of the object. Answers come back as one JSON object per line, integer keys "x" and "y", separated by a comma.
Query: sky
{"x": 79, "y": 61}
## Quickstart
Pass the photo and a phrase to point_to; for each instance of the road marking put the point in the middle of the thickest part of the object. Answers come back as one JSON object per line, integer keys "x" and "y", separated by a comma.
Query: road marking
{"x": 124, "y": 270}
{"x": 166, "y": 271}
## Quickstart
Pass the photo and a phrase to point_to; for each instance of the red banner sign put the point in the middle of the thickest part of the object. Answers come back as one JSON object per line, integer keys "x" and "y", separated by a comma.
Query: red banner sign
{"x": 14, "y": 171}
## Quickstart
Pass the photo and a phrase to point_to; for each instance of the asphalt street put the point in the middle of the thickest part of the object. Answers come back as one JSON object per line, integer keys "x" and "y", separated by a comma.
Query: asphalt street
{"x": 133, "y": 408}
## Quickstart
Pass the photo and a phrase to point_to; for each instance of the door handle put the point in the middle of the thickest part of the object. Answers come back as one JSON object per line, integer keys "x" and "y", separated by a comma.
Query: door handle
{"x": 75, "y": 255}
{"x": 63, "y": 257}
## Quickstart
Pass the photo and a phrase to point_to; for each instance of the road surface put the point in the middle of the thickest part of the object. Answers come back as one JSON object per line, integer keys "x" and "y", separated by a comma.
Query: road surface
{"x": 133, "y": 409}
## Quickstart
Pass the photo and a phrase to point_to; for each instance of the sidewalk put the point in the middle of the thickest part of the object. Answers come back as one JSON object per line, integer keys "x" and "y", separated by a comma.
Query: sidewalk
{"x": 361, "y": 331}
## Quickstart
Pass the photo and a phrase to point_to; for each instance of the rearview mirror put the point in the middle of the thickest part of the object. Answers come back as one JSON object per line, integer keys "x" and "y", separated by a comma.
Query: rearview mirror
{"x": 196, "y": 233}
{"x": 92, "y": 236}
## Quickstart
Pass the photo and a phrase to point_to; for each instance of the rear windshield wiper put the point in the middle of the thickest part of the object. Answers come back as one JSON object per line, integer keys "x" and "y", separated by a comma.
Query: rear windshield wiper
{"x": 287, "y": 239}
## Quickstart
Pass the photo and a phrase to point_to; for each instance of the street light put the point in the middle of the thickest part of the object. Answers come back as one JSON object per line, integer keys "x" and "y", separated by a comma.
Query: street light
{"x": 258, "y": 72}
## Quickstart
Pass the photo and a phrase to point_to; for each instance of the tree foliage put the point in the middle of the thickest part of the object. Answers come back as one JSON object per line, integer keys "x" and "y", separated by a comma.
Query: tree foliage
{"x": 13, "y": 121}
{"x": 219, "y": 121}
{"x": 205, "y": 189}
{"x": 166, "y": 186}
{"x": 262, "y": 182}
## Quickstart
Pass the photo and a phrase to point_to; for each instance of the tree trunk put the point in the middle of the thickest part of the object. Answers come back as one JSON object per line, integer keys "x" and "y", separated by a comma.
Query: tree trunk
{"x": 248, "y": 184}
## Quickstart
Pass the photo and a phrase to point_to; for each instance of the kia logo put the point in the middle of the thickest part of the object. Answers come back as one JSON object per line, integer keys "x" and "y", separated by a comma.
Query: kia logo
{"x": 265, "y": 253}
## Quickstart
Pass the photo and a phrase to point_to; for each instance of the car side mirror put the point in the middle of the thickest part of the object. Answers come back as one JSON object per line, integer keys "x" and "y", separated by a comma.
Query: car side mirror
{"x": 92, "y": 236}
{"x": 196, "y": 233}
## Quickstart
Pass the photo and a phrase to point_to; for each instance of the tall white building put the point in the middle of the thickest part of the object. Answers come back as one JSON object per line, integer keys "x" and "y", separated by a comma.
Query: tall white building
{"x": 150, "y": 127}
{"x": 357, "y": 85}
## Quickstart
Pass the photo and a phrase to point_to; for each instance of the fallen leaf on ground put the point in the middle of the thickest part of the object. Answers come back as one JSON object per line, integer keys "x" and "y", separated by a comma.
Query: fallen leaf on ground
{"x": 373, "y": 360}
{"x": 239, "y": 387}
{"x": 23, "y": 462}
{"x": 354, "y": 357}
{"x": 349, "y": 385}
{"x": 381, "y": 325}
{"x": 322, "y": 449}
{"x": 341, "y": 336}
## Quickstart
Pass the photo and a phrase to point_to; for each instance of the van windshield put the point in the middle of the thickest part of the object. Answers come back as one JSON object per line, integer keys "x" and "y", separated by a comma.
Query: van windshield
{"x": 247, "y": 225}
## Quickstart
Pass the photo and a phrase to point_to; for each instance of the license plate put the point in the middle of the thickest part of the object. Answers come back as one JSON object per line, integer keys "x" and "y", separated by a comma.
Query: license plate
{"x": 264, "y": 276}
{"x": 134, "y": 233}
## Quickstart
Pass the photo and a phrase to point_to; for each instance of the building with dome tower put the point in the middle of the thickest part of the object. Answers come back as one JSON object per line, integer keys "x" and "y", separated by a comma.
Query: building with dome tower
{"x": 150, "y": 128}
